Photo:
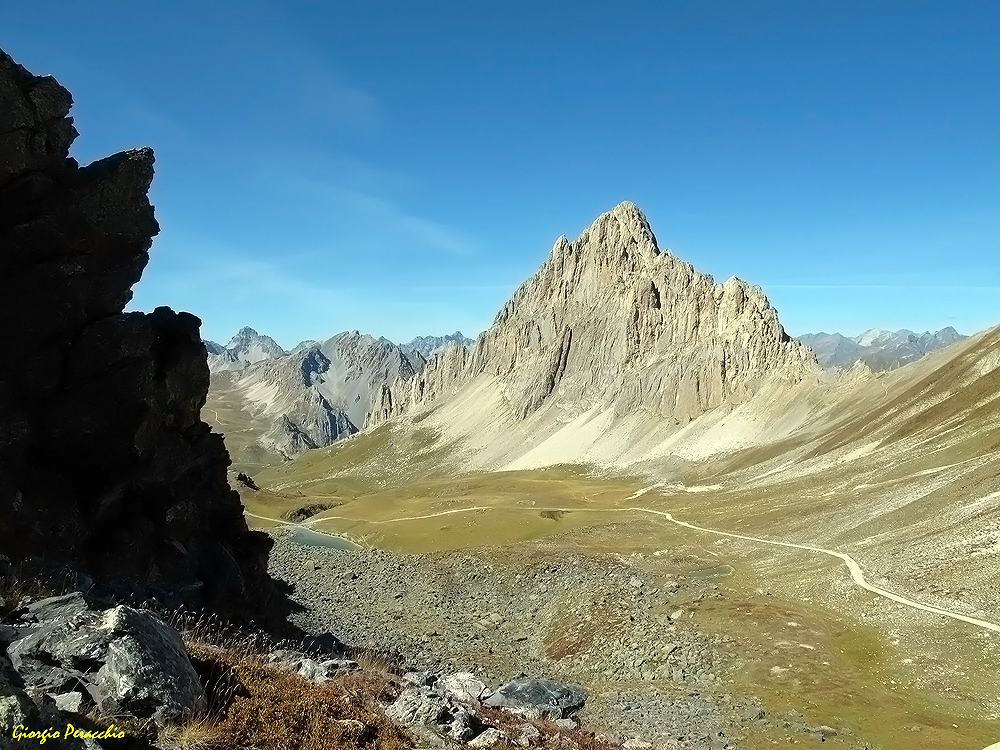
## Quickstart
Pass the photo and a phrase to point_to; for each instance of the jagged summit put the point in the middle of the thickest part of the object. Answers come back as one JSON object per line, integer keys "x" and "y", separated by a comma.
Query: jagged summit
{"x": 245, "y": 348}
{"x": 251, "y": 346}
{"x": 624, "y": 229}
{"x": 611, "y": 321}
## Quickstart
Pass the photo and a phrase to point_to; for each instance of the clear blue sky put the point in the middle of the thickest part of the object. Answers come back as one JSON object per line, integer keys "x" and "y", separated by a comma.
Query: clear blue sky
{"x": 401, "y": 167}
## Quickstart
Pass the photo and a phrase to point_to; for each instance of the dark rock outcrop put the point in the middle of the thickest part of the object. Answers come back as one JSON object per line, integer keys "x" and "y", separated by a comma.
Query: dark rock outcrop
{"x": 533, "y": 698}
{"x": 106, "y": 468}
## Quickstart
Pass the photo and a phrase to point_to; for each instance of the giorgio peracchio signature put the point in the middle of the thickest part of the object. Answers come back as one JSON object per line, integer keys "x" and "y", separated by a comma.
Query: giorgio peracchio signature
{"x": 22, "y": 732}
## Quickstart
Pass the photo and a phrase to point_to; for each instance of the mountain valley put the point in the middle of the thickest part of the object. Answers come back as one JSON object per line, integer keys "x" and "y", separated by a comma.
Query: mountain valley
{"x": 549, "y": 446}
{"x": 633, "y": 513}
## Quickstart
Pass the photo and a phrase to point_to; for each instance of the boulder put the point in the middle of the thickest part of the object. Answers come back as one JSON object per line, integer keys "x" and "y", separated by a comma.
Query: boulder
{"x": 435, "y": 718}
{"x": 462, "y": 726}
{"x": 536, "y": 698}
{"x": 528, "y": 734}
{"x": 56, "y": 607}
{"x": 487, "y": 739}
{"x": 129, "y": 662}
{"x": 312, "y": 669}
{"x": 462, "y": 686}
{"x": 328, "y": 669}
{"x": 419, "y": 705}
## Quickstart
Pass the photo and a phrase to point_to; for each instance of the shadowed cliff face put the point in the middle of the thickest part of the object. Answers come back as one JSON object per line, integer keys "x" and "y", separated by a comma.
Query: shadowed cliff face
{"x": 105, "y": 465}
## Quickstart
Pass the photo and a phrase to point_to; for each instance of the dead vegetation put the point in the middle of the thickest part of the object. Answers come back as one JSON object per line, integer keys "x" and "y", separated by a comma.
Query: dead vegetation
{"x": 259, "y": 705}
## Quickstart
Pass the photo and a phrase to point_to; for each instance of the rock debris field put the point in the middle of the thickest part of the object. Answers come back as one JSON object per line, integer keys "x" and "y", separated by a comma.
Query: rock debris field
{"x": 597, "y": 620}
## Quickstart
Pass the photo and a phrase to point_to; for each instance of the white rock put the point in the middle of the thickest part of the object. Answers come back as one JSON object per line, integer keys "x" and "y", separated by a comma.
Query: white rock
{"x": 487, "y": 739}
{"x": 463, "y": 686}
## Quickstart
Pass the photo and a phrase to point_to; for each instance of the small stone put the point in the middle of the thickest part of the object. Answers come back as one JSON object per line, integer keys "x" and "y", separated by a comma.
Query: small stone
{"x": 487, "y": 739}
{"x": 528, "y": 734}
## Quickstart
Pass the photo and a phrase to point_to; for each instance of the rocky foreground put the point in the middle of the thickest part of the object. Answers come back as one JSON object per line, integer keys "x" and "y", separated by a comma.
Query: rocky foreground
{"x": 602, "y": 622}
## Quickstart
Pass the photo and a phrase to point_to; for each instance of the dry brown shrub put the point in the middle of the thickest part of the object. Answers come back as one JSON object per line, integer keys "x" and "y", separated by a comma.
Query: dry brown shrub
{"x": 380, "y": 662}
{"x": 200, "y": 733}
{"x": 264, "y": 706}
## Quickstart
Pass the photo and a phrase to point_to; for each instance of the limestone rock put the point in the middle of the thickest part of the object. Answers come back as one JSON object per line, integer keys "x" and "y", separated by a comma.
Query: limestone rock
{"x": 312, "y": 669}
{"x": 462, "y": 686}
{"x": 15, "y": 705}
{"x": 613, "y": 320}
{"x": 105, "y": 465}
{"x": 56, "y": 607}
{"x": 129, "y": 661}
{"x": 487, "y": 739}
{"x": 419, "y": 705}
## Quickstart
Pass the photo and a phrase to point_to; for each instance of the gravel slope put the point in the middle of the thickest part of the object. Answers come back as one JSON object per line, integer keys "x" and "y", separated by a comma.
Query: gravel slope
{"x": 600, "y": 620}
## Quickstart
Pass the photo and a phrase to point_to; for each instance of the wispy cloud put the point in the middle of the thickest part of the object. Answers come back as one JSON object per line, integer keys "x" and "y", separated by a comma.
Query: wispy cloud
{"x": 342, "y": 104}
{"x": 391, "y": 219}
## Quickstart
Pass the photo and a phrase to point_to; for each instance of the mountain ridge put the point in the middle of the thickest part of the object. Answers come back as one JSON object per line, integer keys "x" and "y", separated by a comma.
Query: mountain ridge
{"x": 878, "y": 348}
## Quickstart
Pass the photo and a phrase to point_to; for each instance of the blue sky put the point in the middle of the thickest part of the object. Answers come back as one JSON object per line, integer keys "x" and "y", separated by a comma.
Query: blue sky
{"x": 400, "y": 168}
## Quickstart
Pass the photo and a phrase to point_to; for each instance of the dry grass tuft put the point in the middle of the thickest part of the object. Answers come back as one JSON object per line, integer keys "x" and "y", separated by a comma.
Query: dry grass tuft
{"x": 379, "y": 662}
{"x": 258, "y": 705}
{"x": 199, "y": 733}
{"x": 22, "y": 583}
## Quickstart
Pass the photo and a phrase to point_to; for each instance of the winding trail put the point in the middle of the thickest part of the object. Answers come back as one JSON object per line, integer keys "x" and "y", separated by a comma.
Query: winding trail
{"x": 857, "y": 575}
{"x": 852, "y": 565}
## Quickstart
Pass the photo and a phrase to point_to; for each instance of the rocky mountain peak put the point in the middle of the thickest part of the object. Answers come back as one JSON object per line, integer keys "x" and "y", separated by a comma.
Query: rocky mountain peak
{"x": 610, "y": 320}
{"x": 251, "y": 346}
{"x": 620, "y": 236}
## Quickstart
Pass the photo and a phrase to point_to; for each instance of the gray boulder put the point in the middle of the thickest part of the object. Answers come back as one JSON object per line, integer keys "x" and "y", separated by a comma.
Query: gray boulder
{"x": 419, "y": 706}
{"x": 463, "y": 724}
{"x": 536, "y": 698}
{"x": 462, "y": 686}
{"x": 487, "y": 739}
{"x": 128, "y": 661}
{"x": 434, "y": 718}
{"x": 312, "y": 669}
{"x": 56, "y": 607}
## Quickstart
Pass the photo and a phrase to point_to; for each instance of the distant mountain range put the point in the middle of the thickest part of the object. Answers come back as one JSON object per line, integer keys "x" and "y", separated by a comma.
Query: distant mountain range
{"x": 878, "y": 348}
{"x": 651, "y": 336}
{"x": 317, "y": 393}
{"x": 428, "y": 345}
{"x": 245, "y": 348}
